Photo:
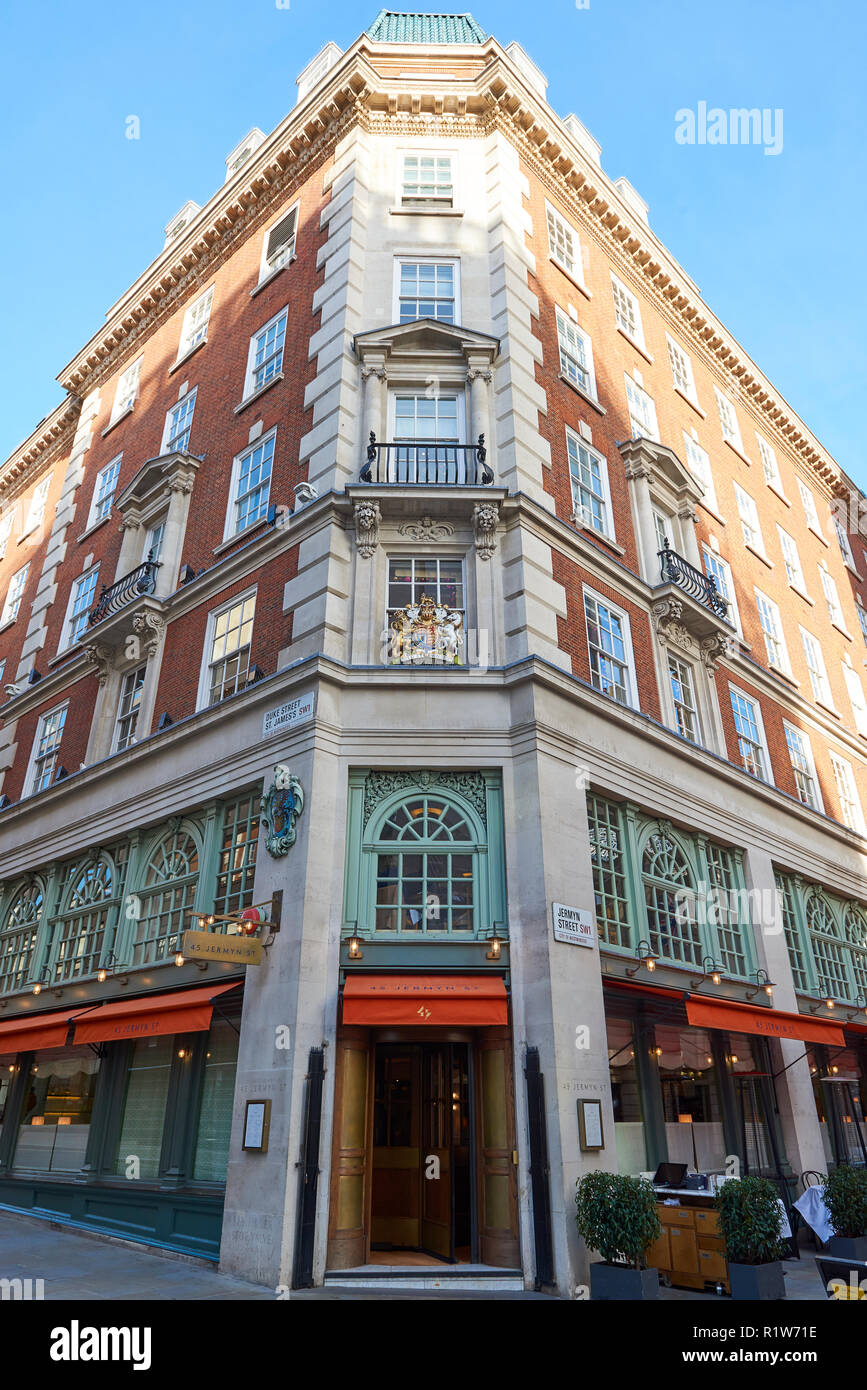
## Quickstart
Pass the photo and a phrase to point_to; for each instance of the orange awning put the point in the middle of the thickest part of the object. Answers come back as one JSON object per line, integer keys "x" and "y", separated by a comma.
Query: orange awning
{"x": 470, "y": 1000}
{"x": 40, "y": 1030}
{"x": 766, "y": 1023}
{"x": 181, "y": 1011}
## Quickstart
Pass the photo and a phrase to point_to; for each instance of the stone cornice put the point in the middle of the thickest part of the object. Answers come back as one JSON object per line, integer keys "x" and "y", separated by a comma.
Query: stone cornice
{"x": 496, "y": 98}
{"x": 49, "y": 438}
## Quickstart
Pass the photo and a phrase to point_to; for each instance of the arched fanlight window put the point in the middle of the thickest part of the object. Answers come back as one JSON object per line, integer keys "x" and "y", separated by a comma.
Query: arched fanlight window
{"x": 855, "y": 931}
{"x": 669, "y": 898}
{"x": 829, "y": 953}
{"x": 160, "y": 910}
{"x": 18, "y": 935}
{"x": 425, "y": 864}
{"x": 84, "y": 928}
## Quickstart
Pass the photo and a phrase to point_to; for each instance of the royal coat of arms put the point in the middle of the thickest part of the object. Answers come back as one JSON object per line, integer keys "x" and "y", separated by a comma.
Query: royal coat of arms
{"x": 426, "y": 632}
{"x": 282, "y": 804}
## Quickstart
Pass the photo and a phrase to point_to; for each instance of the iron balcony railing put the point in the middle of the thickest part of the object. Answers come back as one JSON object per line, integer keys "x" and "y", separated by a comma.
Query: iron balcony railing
{"x": 675, "y": 570}
{"x": 142, "y": 580}
{"x": 428, "y": 464}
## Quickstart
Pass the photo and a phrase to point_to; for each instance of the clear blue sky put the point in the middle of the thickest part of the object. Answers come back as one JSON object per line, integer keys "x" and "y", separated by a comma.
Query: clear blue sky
{"x": 774, "y": 242}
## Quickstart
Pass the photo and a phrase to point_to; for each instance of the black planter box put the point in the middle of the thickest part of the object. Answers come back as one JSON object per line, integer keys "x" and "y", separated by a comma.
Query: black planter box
{"x": 848, "y": 1247}
{"x": 752, "y": 1283}
{"x": 619, "y": 1282}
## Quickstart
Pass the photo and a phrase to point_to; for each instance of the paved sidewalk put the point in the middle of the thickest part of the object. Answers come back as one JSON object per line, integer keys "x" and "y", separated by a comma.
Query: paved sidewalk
{"x": 77, "y": 1265}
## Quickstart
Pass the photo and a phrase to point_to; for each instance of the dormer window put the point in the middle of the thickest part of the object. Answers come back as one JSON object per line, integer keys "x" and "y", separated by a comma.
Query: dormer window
{"x": 180, "y": 222}
{"x": 241, "y": 153}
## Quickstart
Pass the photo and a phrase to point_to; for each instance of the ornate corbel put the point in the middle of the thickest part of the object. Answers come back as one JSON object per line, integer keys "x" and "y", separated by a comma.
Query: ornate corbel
{"x": 713, "y": 649}
{"x": 486, "y": 516}
{"x": 148, "y": 628}
{"x": 100, "y": 658}
{"x": 667, "y": 616}
{"x": 367, "y": 519}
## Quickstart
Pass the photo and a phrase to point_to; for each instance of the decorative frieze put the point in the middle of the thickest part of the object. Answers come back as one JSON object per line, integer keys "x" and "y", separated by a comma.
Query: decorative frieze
{"x": 426, "y": 529}
{"x": 470, "y": 785}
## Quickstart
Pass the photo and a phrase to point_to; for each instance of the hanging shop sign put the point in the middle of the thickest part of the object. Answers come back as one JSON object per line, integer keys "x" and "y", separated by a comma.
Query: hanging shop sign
{"x": 575, "y": 925}
{"x": 208, "y": 945}
{"x": 295, "y": 711}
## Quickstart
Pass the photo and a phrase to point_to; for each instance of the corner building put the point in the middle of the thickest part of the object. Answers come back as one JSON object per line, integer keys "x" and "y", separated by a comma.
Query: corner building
{"x": 415, "y": 465}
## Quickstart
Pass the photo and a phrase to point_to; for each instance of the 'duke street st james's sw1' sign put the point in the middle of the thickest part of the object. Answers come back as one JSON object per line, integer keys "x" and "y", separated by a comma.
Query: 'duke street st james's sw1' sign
{"x": 573, "y": 924}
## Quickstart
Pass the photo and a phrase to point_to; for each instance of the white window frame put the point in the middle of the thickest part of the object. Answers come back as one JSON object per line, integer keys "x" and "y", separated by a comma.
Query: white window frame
{"x": 759, "y": 722}
{"x": 182, "y": 402}
{"x": 249, "y": 388}
{"x": 417, "y": 204}
{"x": 862, "y": 617}
{"x": 114, "y": 465}
{"x": 728, "y": 419}
{"x": 457, "y": 391}
{"x": 14, "y": 595}
{"x": 844, "y": 774}
{"x": 193, "y": 331}
{"x": 453, "y": 261}
{"x": 770, "y": 467}
{"x": 67, "y": 639}
{"x": 776, "y": 636}
{"x": 574, "y": 266}
{"x": 126, "y": 391}
{"x": 695, "y": 708}
{"x": 231, "y": 528}
{"x": 579, "y": 510}
{"x": 566, "y": 325}
{"x": 792, "y": 558}
{"x": 746, "y": 503}
{"x": 811, "y": 514}
{"x": 650, "y": 408}
{"x": 631, "y": 681}
{"x": 7, "y": 521}
{"x": 30, "y": 779}
{"x": 38, "y": 504}
{"x": 831, "y": 595}
{"x": 286, "y": 251}
{"x": 204, "y": 691}
{"x": 855, "y": 691}
{"x": 119, "y": 716}
{"x": 634, "y": 333}
{"x": 801, "y": 736}
{"x": 681, "y": 363}
{"x": 844, "y": 542}
{"x": 733, "y": 612}
{"x": 816, "y": 669}
{"x": 699, "y": 464}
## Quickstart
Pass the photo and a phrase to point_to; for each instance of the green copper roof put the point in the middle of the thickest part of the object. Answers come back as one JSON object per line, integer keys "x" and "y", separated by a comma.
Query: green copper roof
{"x": 390, "y": 26}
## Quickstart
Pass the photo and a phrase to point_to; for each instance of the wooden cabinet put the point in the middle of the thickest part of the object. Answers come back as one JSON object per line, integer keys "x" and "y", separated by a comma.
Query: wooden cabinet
{"x": 689, "y": 1249}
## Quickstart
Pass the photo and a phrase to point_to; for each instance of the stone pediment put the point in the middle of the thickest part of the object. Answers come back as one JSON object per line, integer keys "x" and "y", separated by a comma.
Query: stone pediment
{"x": 424, "y": 338}
{"x": 156, "y": 478}
{"x": 662, "y": 467}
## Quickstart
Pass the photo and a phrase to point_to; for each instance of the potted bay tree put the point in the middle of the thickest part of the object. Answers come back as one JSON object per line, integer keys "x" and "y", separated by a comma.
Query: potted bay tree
{"x": 751, "y": 1221}
{"x": 846, "y": 1199}
{"x": 616, "y": 1216}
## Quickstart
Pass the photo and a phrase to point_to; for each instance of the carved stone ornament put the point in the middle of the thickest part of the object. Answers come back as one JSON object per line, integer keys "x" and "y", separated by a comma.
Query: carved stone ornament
{"x": 101, "y": 658}
{"x": 424, "y": 633}
{"x": 367, "y": 519}
{"x": 282, "y": 804}
{"x": 148, "y": 628}
{"x": 671, "y": 631}
{"x": 426, "y": 529}
{"x": 470, "y": 785}
{"x": 486, "y": 515}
